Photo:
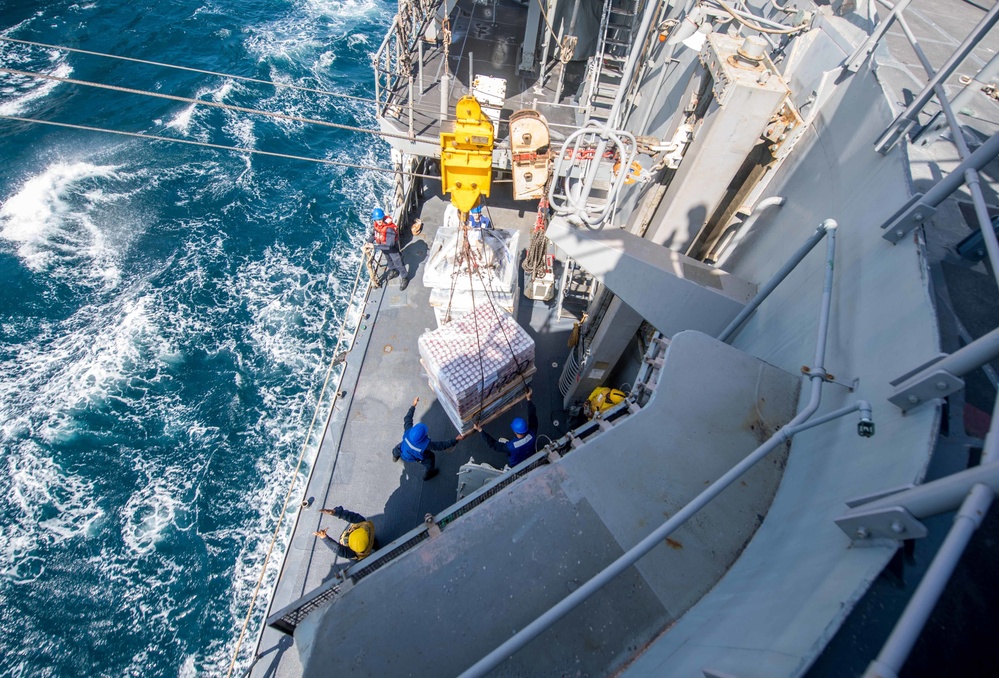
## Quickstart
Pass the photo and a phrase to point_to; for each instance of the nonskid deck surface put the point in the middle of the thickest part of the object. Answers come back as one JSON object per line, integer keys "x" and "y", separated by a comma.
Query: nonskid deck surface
{"x": 354, "y": 466}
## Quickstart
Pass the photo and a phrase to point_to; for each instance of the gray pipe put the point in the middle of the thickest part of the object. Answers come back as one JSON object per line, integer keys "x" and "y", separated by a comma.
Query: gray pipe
{"x": 977, "y": 160}
{"x": 777, "y": 279}
{"x": 629, "y": 558}
{"x": 933, "y": 498}
{"x": 906, "y": 632}
{"x": 910, "y": 116}
{"x": 445, "y": 94}
{"x": 968, "y": 358}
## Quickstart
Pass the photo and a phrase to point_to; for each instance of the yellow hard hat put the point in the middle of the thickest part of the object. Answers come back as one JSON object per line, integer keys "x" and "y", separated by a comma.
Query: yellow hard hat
{"x": 358, "y": 541}
{"x": 615, "y": 396}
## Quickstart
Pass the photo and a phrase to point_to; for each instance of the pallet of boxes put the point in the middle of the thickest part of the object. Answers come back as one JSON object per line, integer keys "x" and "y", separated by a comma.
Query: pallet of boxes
{"x": 479, "y": 365}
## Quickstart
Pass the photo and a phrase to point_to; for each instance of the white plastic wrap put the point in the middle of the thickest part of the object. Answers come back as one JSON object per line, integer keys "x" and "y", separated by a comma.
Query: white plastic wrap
{"x": 493, "y": 260}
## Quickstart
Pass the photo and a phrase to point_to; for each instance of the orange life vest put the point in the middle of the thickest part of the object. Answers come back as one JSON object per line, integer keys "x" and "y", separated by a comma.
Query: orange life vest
{"x": 381, "y": 228}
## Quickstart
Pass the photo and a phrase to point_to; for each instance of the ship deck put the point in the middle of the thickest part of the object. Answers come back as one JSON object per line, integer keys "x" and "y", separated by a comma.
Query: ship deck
{"x": 354, "y": 467}
{"x": 485, "y": 42}
{"x": 382, "y": 375}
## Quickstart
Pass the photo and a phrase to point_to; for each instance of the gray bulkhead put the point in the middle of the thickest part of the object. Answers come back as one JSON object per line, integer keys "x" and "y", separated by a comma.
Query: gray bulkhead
{"x": 800, "y": 575}
{"x": 493, "y": 570}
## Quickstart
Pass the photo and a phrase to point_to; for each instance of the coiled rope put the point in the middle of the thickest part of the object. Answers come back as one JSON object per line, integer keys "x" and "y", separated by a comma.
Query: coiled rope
{"x": 534, "y": 260}
{"x": 294, "y": 477}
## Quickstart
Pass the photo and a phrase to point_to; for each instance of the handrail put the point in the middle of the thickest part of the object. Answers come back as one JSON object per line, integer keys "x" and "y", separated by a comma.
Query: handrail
{"x": 941, "y": 377}
{"x": 575, "y": 197}
{"x": 778, "y": 278}
{"x": 910, "y": 116}
{"x": 817, "y": 376}
{"x": 969, "y": 517}
{"x": 413, "y": 46}
{"x": 972, "y": 178}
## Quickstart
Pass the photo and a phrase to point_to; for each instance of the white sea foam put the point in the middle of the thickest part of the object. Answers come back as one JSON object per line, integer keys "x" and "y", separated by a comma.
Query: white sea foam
{"x": 182, "y": 121}
{"x": 21, "y": 90}
{"x": 187, "y": 118}
{"x": 38, "y": 485}
{"x": 149, "y": 514}
{"x": 26, "y": 89}
{"x": 62, "y": 221}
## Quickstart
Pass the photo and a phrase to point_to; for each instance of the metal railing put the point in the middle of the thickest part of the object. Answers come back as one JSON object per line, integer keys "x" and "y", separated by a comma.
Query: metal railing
{"x": 895, "y": 514}
{"x": 393, "y": 60}
{"x": 816, "y": 374}
{"x": 288, "y": 618}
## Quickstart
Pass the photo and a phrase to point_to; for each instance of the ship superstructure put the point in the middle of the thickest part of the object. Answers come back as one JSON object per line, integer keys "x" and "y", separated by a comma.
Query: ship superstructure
{"x": 735, "y": 201}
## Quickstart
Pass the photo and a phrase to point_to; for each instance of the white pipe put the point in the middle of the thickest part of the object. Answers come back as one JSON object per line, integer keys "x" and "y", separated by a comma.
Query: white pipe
{"x": 748, "y": 224}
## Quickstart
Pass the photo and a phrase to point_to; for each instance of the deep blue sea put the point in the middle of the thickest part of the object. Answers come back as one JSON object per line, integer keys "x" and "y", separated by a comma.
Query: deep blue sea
{"x": 167, "y": 318}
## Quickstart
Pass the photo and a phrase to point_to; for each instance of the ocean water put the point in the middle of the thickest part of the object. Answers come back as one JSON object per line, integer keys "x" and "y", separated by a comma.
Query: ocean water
{"x": 167, "y": 318}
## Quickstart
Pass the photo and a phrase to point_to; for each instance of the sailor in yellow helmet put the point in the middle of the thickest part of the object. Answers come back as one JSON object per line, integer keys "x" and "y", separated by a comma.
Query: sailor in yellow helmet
{"x": 602, "y": 399}
{"x": 357, "y": 541}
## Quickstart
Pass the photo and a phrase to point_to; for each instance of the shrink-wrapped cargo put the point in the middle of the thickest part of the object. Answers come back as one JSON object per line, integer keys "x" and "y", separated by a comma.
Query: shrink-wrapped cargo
{"x": 478, "y": 365}
{"x": 489, "y": 262}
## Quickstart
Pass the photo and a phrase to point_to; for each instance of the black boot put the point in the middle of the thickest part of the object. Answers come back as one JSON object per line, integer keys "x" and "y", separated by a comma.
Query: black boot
{"x": 403, "y": 284}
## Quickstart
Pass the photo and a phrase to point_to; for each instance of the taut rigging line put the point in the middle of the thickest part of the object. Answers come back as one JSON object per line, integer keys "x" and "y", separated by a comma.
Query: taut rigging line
{"x": 187, "y": 68}
{"x": 154, "y": 137}
{"x": 235, "y": 77}
{"x": 202, "y": 102}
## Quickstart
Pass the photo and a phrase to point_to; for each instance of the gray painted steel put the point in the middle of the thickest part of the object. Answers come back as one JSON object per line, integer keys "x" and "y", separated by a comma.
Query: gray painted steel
{"x": 772, "y": 601}
{"x": 560, "y": 525}
{"x": 672, "y": 291}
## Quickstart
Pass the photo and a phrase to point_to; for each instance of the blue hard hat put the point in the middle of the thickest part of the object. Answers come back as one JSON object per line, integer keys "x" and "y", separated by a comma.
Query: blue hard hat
{"x": 519, "y": 426}
{"x": 476, "y": 210}
{"x": 417, "y": 436}
{"x": 377, "y": 214}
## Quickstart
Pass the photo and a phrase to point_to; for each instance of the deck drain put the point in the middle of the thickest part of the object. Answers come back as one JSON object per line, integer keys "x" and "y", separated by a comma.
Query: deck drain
{"x": 388, "y": 348}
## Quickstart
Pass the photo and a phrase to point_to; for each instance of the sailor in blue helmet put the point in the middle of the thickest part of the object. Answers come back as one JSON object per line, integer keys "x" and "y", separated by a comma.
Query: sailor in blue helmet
{"x": 476, "y": 219}
{"x": 385, "y": 237}
{"x": 526, "y": 432}
{"x": 417, "y": 446}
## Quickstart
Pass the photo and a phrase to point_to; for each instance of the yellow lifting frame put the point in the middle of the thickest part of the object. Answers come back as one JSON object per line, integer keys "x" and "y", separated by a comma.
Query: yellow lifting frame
{"x": 467, "y": 155}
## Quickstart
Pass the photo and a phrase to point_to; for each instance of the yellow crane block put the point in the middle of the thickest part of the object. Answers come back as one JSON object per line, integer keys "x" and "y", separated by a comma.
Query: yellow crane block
{"x": 467, "y": 155}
